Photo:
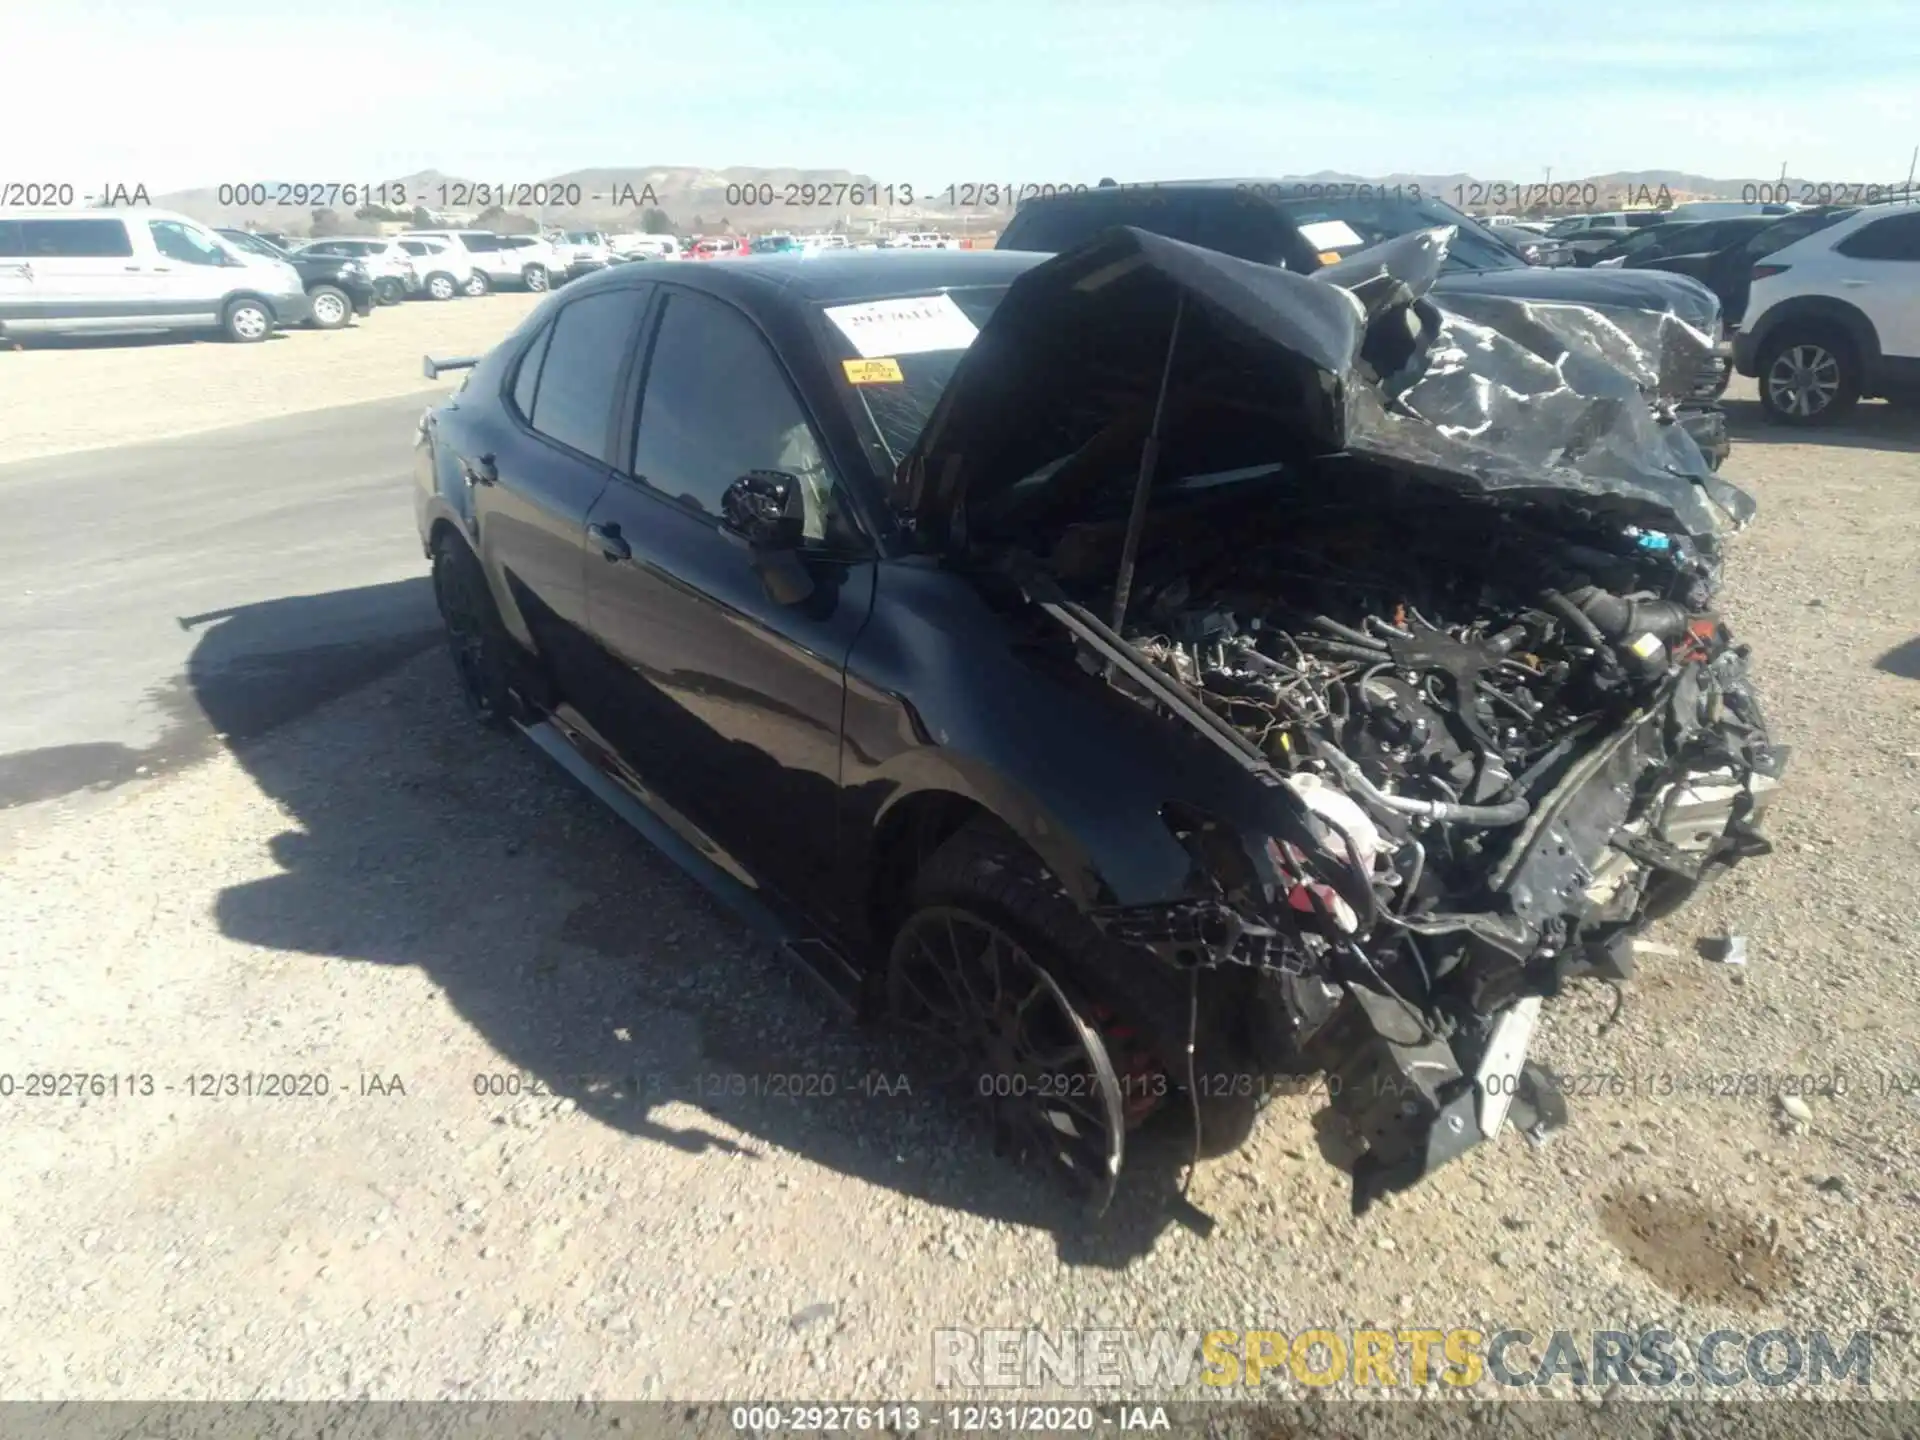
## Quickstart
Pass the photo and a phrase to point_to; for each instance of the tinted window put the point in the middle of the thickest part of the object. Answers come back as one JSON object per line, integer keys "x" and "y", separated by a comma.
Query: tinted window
{"x": 581, "y": 373}
{"x": 416, "y": 247}
{"x": 1783, "y": 233}
{"x": 717, "y": 404}
{"x": 185, "y": 244}
{"x": 481, "y": 242}
{"x": 252, "y": 243}
{"x": 81, "y": 239}
{"x": 1251, "y": 231}
{"x": 529, "y": 373}
{"x": 1895, "y": 238}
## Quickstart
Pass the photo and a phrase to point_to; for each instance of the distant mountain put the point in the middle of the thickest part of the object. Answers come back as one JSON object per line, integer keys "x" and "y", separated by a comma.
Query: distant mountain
{"x": 759, "y": 198}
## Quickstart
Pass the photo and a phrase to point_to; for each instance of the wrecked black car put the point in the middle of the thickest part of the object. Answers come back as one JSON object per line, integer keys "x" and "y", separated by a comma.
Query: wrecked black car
{"x": 1147, "y": 678}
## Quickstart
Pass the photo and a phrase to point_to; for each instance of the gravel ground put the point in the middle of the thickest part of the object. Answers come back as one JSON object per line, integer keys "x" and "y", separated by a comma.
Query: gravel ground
{"x": 83, "y": 394}
{"x": 384, "y": 896}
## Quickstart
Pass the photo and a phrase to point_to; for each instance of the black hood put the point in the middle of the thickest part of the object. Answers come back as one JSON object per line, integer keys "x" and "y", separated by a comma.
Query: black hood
{"x": 1541, "y": 402}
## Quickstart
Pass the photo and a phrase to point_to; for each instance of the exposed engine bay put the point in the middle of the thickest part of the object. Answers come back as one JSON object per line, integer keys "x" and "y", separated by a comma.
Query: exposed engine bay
{"x": 1515, "y": 744}
{"x": 1440, "y": 584}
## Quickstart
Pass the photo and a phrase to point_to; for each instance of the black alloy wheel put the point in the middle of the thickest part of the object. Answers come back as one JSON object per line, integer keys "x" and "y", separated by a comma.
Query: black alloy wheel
{"x": 992, "y": 1018}
{"x": 475, "y": 637}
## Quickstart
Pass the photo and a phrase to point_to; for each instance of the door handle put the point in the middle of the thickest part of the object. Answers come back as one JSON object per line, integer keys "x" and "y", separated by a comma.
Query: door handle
{"x": 135, "y": 269}
{"x": 481, "y": 471}
{"x": 1855, "y": 284}
{"x": 612, "y": 544}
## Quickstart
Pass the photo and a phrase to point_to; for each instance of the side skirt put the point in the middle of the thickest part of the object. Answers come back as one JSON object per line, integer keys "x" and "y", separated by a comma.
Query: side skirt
{"x": 816, "y": 957}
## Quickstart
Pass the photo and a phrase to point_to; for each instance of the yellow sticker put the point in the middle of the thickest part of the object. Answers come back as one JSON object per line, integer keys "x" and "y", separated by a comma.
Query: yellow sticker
{"x": 1329, "y": 257}
{"x": 1646, "y": 647}
{"x": 873, "y": 372}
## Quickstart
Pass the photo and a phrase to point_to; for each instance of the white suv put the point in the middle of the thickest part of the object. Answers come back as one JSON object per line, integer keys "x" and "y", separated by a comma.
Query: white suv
{"x": 1836, "y": 316}
{"x": 539, "y": 262}
{"x": 445, "y": 270}
{"x": 492, "y": 265}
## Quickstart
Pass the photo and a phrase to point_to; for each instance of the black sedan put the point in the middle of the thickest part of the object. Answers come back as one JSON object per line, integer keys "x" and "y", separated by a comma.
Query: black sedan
{"x": 339, "y": 286}
{"x": 1134, "y": 674}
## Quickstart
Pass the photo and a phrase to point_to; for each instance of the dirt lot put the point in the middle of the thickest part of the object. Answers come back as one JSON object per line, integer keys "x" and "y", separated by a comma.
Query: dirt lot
{"x": 426, "y": 915}
{"x": 84, "y": 394}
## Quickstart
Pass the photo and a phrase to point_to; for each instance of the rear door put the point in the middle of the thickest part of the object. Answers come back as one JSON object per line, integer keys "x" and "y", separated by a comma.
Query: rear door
{"x": 726, "y": 700}
{"x": 1878, "y": 268}
{"x": 86, "y": 272}
{"x": 20, "y": 300}
{"x": 534, "y": 478}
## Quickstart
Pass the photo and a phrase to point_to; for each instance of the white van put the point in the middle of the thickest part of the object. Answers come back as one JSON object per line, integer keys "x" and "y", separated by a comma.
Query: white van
{"x": 113, "y": 271}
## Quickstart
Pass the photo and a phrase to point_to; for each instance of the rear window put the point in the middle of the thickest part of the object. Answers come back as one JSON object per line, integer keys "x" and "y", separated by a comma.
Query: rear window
{"x": 65, "y": 239}
{"x": 1895, "y": 238}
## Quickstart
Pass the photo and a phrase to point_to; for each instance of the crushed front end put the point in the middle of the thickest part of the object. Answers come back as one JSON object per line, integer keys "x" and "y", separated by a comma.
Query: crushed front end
{"x": 1440, "y": 582}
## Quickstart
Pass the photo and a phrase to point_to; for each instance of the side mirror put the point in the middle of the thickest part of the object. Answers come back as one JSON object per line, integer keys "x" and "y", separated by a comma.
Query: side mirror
{"x": 765, "y": 508}
{"x": 765, "y": 511}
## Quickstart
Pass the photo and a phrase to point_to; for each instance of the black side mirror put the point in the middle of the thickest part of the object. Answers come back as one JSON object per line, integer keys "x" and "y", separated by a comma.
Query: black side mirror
{"x": 765, "y": 510}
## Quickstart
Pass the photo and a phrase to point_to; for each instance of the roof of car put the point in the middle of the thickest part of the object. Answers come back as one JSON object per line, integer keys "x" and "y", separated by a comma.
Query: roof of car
{"x": 827, "y": 279}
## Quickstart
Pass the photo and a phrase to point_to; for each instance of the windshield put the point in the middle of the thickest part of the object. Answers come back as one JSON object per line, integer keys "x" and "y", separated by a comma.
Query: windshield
{"x": 253, "y": 243}
{"x": 893, "y": 410}
{"x": 1345, "y": 225}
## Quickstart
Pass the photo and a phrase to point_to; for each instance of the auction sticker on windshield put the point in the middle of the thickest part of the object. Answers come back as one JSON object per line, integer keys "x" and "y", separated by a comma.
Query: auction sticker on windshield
{"x": 912, "y": 326}
{"x": 873, "y": 372}
{"x": 1329, "y": 234}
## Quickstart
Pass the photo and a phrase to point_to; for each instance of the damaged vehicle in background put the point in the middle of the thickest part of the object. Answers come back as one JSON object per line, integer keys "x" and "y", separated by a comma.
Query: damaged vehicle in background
{"x": 1269, "y": 221}
{"x": 1149, "y": 679}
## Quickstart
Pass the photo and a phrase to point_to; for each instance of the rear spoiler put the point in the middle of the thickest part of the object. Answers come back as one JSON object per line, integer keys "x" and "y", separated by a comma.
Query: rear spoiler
{"x": 433, "y": 368}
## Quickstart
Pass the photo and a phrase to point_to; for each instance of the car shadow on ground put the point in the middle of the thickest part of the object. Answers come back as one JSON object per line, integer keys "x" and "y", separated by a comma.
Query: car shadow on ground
{"x": 1902, "y": 660}
{"x": 1873, "y": 426}
{"x": 592, "y": 965}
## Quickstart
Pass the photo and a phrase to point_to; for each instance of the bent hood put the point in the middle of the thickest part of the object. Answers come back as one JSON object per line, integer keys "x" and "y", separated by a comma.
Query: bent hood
{"x": 1363, "y": 358}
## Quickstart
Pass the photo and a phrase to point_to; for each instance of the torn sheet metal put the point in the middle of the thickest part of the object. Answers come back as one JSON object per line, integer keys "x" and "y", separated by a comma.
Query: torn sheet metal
{"x": 1537, "y": 401}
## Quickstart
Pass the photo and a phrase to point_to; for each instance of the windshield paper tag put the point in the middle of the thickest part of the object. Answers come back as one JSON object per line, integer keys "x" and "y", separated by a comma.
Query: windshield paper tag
{"x": 913, "y": 326}
{"x": 1329, "y": 234}
{"x": 873, "y": 372}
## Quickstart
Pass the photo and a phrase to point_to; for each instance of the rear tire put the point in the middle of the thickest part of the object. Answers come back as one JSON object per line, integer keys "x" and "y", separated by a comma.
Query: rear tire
{"x": 535, "y": 277}
{"x": 246, "y": 321}
{"x": 441, "y": 286}
{"x": 332, "y": 308}
{"x": 476, "y": 640}
{"x": 1808, "y": 376}
{"x": 389, "y": 291}
{"x": 477, "y": 285}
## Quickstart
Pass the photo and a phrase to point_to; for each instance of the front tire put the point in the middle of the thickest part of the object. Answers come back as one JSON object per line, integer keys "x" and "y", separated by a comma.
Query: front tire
{"x": 476, "y": 640}
{"x": 441, "y": 287}
{"x": 246, "y": 321}
{"x": 535, "y": 277}
{"x": 332, "y": 309}
{"x": 477, "y": 285}
{"x": 1808, "y": 376}
{"x": 389, "y": 291}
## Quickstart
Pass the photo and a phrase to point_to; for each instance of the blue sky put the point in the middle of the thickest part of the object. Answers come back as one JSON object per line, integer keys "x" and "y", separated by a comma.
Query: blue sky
{"x": 196, "y": 92}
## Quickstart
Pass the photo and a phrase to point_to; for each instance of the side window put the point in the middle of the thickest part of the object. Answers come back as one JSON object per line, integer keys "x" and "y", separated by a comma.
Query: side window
{"x": 528, "y": 376}
{"x": 1895, "y": 238}
{"x": 481, "y": 243}
{"x": 717, "y": 404}
{"x": 580, "y": 376}
{"x": 185, "y": 244}
{"x": 13, "y": 243}
{"x": 75, "y": 239}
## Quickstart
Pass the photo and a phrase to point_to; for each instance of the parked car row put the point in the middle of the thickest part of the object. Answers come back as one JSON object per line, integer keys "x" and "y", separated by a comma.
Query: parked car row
{"x": 115, "y": 272}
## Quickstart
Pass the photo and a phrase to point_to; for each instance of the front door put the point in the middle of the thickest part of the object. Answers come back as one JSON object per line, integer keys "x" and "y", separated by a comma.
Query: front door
{"x": 189, "y": 272}
{"x": 729, "y": 700}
